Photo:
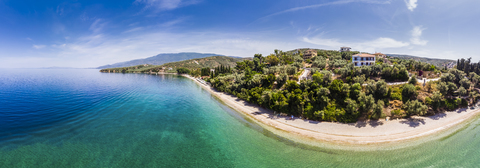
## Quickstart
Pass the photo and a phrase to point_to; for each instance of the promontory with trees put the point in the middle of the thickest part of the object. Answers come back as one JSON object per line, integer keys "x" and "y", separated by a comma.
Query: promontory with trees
{"x": 336, "y": 90}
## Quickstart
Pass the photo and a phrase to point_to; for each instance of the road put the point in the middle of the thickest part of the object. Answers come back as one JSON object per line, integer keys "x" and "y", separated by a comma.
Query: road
{"x": 304, "y": 75}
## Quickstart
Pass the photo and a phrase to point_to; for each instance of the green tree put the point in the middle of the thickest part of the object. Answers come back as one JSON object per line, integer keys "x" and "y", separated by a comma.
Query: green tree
{"x": 327, "y": 78}
{"x": 465, "y": 83}
{"x": 359, "y": 79}
{"x": 436, "y": 100}
{"x": 378, "y": 110}
{"x": 291, "y": 70}
{"x": 352, "y": 107}
{"x": 272, "y": 60}
{"x": 415, "y": 108}
{"x": 443, "y": 88}
{"x": 282, "y": 79}
{"x": 413, "y": 80}
{"x": 317, "y": 77}
{"x": 183, "y": 71}
{"x": 355, "y": 91}
{"x": 381, "y": 89}
{"x": 409, "y": 92}
{"x": 336, "y": 89}
{"x": 320, "y": 63}
{"x": 451, "y": 87}
{"x": 462, "y": 91}
{"x": 371, "y": 87}
{"x": 365, "y": 103}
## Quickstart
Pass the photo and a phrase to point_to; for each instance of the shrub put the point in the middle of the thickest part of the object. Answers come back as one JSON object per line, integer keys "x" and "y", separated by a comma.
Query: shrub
{"x": 428, "y": 101}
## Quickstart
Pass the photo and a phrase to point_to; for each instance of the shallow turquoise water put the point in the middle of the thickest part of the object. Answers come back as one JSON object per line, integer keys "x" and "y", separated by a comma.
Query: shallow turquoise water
{"x": 83, "y": 118}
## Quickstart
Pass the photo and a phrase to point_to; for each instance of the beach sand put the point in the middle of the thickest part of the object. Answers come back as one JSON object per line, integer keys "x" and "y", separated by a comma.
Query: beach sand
{"x": 370, "y": 132}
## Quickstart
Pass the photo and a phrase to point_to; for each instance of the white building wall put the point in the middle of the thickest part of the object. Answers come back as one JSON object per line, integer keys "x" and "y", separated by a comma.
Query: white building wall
{"x": 357, "y": 61}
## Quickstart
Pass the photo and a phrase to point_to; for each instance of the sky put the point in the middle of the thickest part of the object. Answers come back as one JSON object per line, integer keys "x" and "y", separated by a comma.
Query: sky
{"x": 91, "y": 33}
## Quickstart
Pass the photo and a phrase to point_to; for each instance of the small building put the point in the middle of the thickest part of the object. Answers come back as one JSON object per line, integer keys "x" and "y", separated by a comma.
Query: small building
{"x": 309, "y": 54}
{"x": 380, "y": 55}
{"x": 170, "y": 68}
{"x": 345, "y": 49}
{"x": 297, "y": 51}
{"x": 363, "y": 59}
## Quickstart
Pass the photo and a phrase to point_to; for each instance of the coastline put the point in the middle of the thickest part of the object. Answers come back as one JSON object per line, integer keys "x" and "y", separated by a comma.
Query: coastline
{"x": 360, "y": 133}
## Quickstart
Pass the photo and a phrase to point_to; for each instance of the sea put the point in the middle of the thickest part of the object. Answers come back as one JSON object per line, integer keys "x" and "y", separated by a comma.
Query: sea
{"x": 84, "y": 118}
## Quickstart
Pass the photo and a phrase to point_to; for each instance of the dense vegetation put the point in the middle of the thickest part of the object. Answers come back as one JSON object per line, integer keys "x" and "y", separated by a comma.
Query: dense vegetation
{"x": 352, "y": 93}
{"x": 434, "y": 61}
{"x": 158, "y": 59}
{"x": 335, "y": 89}
{"x": 193, "y": 65}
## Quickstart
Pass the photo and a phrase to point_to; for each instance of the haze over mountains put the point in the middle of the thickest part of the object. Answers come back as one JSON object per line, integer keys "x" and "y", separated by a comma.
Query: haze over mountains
{"x": 160, "y": 59}
{"x": 435, "y": 61}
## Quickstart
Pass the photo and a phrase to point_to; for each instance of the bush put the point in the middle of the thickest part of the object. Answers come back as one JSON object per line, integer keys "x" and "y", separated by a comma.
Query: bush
{"x": 413, "y": 80}
{"x": 428, "y": 101}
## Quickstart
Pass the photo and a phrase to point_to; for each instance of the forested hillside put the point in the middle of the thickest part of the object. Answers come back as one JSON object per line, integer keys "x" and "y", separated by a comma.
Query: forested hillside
{"x": 159, "y": 59}
{"x": 434, "y": 61}
{"x": 192, "y": 64}
{"x": 353, "y": 93}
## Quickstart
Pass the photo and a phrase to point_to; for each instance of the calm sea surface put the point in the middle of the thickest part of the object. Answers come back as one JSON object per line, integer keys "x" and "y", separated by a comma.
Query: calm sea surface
{"x": 83, "y": 118}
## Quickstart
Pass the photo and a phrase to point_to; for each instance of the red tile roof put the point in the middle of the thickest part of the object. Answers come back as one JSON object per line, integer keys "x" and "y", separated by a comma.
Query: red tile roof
{"x": 363, "y": 55}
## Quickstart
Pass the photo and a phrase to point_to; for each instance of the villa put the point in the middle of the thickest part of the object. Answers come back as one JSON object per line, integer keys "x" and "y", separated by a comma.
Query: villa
{"x": 363, "y": 59}
{"x": 309, "y": 54}
{"x": 345, "y": 49}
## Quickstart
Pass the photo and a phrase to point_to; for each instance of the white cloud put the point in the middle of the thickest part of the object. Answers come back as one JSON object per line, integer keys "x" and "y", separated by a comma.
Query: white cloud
{"x": 172, "y": 22}
{"x": 416, "y": 36}
{"x": 59, "y": 45}
{"x": 133, "y": 30}
{"x": 327, "y": 4}
{"x": 411, "y": 4}
{"x": 101, "y": 49}
{"x": 166, "y": 4}
{"x": 39, "y": 46}
{"x": 97, "y": 25}
{"x": 366, "y": 46}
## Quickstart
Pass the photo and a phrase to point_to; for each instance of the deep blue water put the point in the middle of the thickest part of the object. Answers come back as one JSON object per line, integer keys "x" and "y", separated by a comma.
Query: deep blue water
{"x": 83, "y": 118}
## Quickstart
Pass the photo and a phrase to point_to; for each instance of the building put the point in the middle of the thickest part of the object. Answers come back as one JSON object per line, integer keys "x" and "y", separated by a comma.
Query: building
{"x": 363, "y": 59}
{"x": 345, "y": 49}
{"x": 380, "y": 55}
{"x": 309, "y": 54}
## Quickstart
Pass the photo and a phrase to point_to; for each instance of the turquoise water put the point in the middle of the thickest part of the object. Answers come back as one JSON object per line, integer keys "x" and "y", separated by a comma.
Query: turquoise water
{"x": 83, "y": 118}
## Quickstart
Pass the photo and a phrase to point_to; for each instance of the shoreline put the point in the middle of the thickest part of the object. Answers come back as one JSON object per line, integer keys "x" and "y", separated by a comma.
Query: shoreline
{"x": 359, "y": 133}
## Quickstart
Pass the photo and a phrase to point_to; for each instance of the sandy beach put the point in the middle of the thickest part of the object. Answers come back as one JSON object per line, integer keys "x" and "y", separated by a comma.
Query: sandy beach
{"x": 370, "y": 132}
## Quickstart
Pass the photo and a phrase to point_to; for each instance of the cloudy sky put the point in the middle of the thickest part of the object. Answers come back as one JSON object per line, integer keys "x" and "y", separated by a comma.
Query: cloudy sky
{"x": 35, "y": 33}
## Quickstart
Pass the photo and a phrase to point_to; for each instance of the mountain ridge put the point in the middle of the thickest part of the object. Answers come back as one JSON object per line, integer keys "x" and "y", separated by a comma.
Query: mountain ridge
{"x": 160, "y": 59}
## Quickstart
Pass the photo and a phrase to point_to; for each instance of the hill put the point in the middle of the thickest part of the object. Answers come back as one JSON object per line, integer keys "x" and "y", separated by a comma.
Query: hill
{"x": 196, "y": 63}
{"x": 434, "y": 61}
{"x": 159, "y": 59}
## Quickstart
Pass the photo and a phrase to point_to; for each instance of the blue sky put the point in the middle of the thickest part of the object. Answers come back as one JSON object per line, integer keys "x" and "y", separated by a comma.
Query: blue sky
{"x": 73, "y": 33}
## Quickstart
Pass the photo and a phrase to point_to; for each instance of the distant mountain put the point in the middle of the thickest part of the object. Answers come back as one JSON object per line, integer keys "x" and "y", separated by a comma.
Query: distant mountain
{"x": 434, "y": 61}
{"x": 197, "y": 63}
{"x": 159, "y": 59}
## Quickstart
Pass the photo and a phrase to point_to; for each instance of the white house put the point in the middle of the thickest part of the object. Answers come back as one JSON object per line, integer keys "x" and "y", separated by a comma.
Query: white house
{"x": 363, "y": 59}
{"x": 345, "y": 49}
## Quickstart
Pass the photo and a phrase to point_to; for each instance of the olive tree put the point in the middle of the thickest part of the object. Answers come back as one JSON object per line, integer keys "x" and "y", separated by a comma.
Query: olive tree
{"x": 415, "y": 108}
